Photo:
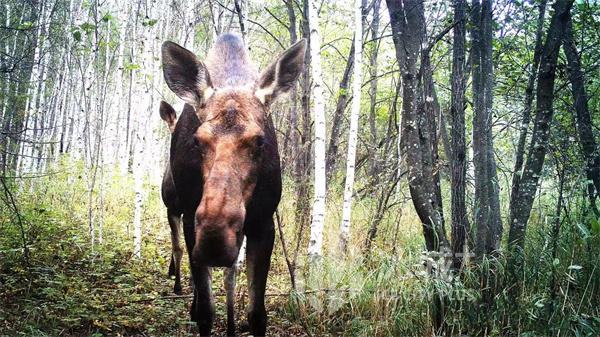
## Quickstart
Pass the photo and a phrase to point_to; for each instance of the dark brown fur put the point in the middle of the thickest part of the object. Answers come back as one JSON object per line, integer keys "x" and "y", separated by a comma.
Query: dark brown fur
{"x": 171, "y": 201}
{"x": 225, "y": 166}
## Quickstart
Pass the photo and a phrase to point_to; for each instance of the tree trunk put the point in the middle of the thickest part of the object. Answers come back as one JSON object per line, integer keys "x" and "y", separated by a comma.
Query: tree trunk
{"x": 353, "y": 132}
{"x": 487, "y": 226}
{"x": 522, "y": 198}
{"x": 458, "y": 158}
{"x": 373, "y": 148}
{"x": 290, "y": 142}
{"x": 318, "y": 213}
{"x": 242, "y": 19}
{"x": 340, "y": 107}
{"x": 407, "y": 21}
{"x": 583, "y": 118}
{"x": 302, "y": 170}
{"x": 526, "y": 118}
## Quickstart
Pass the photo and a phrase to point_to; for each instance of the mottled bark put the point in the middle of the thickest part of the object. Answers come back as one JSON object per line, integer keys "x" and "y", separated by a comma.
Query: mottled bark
{"x": 583, "y": 119}
{"x": 428, "y": 115}
{"x": 458, "y": 157}
{"x": 315, "y": 243}
{"x": 336, "y": 122}
{"x": 526, "y": 118}
{"x": 407, "y": 22}
{"x": 374, "y": 146}
{"x": 302, "y": 170}
{"x": 487, "y": 225}
{"x": 522, "y": 198}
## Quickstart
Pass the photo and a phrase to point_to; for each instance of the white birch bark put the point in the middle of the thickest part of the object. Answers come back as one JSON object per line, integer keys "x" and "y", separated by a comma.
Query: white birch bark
{"x": 318, "y": 213}
{"x": 353, "y": 132}
{"x": 139, "y": 197}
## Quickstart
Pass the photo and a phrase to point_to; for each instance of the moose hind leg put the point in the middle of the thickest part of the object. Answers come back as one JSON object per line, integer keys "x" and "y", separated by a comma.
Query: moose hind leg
{"x": 230, "y": 275}
{"x": 177, "y": 249}
{"x": 258, "y": 255}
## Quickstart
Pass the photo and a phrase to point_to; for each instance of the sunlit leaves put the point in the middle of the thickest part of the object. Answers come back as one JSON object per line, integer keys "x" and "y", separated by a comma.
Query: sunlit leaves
{"x": 25, "y": 25}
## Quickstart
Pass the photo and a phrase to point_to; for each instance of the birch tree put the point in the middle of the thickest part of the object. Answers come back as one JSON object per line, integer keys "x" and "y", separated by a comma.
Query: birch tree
{"x": 318, "y": 212}
{"x": 353, "y": 132}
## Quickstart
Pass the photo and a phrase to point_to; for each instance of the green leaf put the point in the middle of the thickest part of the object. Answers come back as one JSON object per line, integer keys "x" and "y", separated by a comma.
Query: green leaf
{"x": 585, "y": 232}
{"x": 77, "y": 36}
{"x": 131, "y": 66}
{"x": 87, "y": 27}
{"x": 149, "y": 22}
{"x": 25, "y": 25}
{"x": 595, "y": 226}
{"x": 107, "y": 17}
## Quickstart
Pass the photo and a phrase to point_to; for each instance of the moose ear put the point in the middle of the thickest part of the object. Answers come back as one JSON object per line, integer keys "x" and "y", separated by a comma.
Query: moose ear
{"x": 280, "y": 75}
{"x": 185, "y": 75}
{"x": 167, "y": 113}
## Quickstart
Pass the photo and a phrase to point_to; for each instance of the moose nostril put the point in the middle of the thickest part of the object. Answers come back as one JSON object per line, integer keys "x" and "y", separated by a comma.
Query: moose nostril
{"x": 260, "y": 141}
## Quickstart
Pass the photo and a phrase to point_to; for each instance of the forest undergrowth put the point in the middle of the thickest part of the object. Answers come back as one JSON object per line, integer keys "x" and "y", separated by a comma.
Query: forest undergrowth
{"x": 53, "y": 282}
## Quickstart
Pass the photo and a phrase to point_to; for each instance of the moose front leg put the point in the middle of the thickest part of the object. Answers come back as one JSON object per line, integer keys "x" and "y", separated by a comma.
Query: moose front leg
{"x": 202, "y": 311}
{"x": 230, "y": 274}
{"x": 258, "y": 256}
{"x": 203, "y": 307}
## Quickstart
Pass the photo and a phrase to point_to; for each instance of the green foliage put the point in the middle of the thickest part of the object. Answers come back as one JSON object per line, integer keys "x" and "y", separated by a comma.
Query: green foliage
{"x": 149, "y": 22}
{"x": 68, "y": 286}
{"x": 25, "y": 25}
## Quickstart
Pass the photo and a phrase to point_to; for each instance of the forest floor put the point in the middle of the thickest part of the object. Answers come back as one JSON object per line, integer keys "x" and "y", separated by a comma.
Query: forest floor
{"x": 66, "y": 291}
{"x": 65, "y": 286}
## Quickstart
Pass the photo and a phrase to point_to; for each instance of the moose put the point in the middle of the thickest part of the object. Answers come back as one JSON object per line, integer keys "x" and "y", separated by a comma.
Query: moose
{"x": 174, "y": 211}
{"x": 224, "y": 165}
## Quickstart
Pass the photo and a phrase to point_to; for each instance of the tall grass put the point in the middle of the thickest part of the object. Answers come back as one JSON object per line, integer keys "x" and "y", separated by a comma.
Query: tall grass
{"x": 391, "y": 291}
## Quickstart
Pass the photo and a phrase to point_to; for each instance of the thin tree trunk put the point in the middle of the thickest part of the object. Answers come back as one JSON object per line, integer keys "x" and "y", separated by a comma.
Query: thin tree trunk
{"x": 487, "y": 225}
{"x": 555, "y": 231}
{"x": 290, "y": 142}
{"x": 302, "y": 171}
{"x": 318, "y": 213}
{"x": 526, "y": 118}
{"x": 522, "y": 199}
{"x": 340, "y": 107}
{"x": 374, "y": 162}
{"x": 428, "y": 113}
{"x": 353, "y": 132}
{"x": 583, "y": 118}
{"x": 242, "y": 19}
{"x": 458, "y": 158}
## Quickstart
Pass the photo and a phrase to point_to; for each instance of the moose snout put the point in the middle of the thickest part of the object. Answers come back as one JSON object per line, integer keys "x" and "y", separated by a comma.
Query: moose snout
{"x": 218, "y": 236}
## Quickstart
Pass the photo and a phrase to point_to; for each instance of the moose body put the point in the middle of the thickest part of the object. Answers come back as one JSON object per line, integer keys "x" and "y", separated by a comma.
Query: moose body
{"x": 171, "y": 202}
{"x": 224, "y": 164}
